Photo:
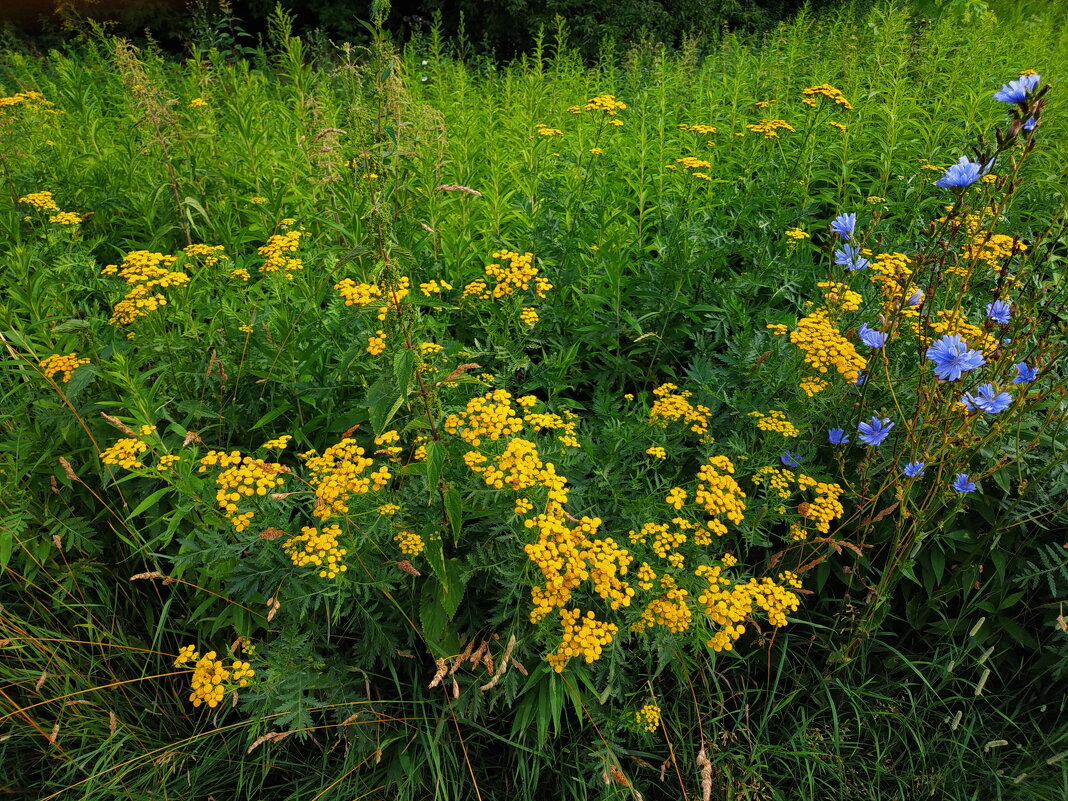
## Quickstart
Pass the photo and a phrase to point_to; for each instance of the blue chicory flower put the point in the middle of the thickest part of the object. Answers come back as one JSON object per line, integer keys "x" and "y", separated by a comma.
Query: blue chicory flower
{"x": 871, "y": 337}
{"x": 962, "y": 484}
{"x": 1031, "y": 124}
{"x": 963, "y": 173}
{"x": 999, "y": 311}
{"x": 987, "y": 399}
{"x": 914, "y": 469}
{"x": 1025, "y": 374}
{"x": 952, "y": 357}
{"x": 844, "y": 224}
{"x": 838, "y": 436}
{"x": 1016, "y": 91}
{"x": 875, "y": 432}
{"x": 790, "y": 459}
{"x": 862, "y": 379}
{"x": 849, "y": 257}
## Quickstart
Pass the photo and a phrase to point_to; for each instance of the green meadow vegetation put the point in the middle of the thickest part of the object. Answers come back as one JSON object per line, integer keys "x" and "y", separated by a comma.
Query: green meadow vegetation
{"x": 389, "y": 422}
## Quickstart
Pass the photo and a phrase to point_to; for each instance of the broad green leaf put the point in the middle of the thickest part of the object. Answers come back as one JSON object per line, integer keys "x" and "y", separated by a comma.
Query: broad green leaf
{"x": 454, "y": 509}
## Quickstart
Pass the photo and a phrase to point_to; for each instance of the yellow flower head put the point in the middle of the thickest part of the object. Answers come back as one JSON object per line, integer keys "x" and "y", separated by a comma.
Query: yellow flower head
{"x": 649, "y": 717}
{"x": 64, "y": 366}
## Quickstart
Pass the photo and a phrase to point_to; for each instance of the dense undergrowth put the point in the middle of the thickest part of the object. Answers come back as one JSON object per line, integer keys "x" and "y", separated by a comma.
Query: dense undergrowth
{"x": 382, "y": 425}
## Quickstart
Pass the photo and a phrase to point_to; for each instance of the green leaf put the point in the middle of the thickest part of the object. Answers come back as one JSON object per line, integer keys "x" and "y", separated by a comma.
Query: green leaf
{"x": 383, "y": 401}
{"x": 435, "y": 556}
{"x": 454, "y": 510}
{"x": 150, "y": 501}
{"x": 275, "y": 413}
{"x": 452, "y": 592}
{"x": 1001, "y": 478}
{"x": 434, "y": 617}
{"x": 70, "y": 326}
{"x": 403, "y": 364}
{"x": 434, "y": 622}
{"x": 7, "y": 536}
{"x": 435, "y": 459}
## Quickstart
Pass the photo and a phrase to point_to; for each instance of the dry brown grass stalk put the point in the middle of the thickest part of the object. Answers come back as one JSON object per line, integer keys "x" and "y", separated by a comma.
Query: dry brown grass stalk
{"x": 125, "y": 429}
{"x": 706, "y": 773}
{"x": 439, "y": 674}
{"x": 270, "y": 737}
{"x": 502, "y": 666}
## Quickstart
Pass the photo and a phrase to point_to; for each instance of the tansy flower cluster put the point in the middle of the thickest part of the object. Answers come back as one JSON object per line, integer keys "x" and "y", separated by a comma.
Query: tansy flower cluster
{"x": 337, "y": 475}
{"x": 125, "y": 453}
{"x": 211, "y": 679}
{"x": 839, "y": 296}
{"x": 24, "y": 98}
{"x": 516, "y": 273}
{"x": 699, "y": 128}
{"x": 376, "y": 343}
{"x": 209, "y": 255}
{"x": 241, "y": 477}
{"x": 165, "y": 462}
{"x": 355, "y": 294}
{"x": 570, "y": 553}
{"x": 60, "y": 364}
{"x": 990, "y": 249}
{"x": 434, "y": 287}
{"x": 145, "y": 272}
{"x": 824, "y": 346}
{"x": 276, "y": 252}
{"x": 953, "y": 322}
{"x": 777, "y": 480}
{"x": 692, "y": 163}
{"x": 387, "y": 442}
{"x": 42, "y": 201}
{"x": 822, "y": 511}
{"x": 826, "y": 507}
{"x": 892, "y": 274}
{"x": 565, "y": 424}
{"x": 384, "y": 296}
{"x": 567, "y": 555}
{"x": 666, "y": 539}
{"x": 730, "y": 607}
{"x": 811, "y": 94}
{"x": 409, "y": 544}
{"x": 278, "y": 444}
{"x": 648, "y": 717}
{"x": 606, "y": 103}
{"x": 671, "y": 406}
{"x": 318, "y": 549}
{"x": 719, "y": 494}
{"x": 490, "y": 417}
{"x": 670, "y": 610}
{"x": 775, "y": 420}
{"x": 795, "y": 235}
{"x": 811, "y": 385}
{"x": 770, "y": 128}
{"x": 584, "y": 637}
